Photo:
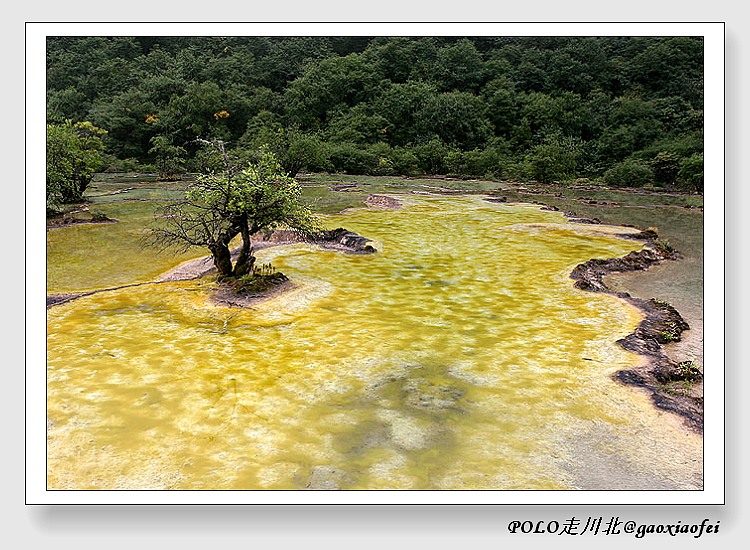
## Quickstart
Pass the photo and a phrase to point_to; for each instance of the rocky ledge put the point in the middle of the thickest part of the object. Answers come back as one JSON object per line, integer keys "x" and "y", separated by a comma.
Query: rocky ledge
{"x": 662, "y": 324}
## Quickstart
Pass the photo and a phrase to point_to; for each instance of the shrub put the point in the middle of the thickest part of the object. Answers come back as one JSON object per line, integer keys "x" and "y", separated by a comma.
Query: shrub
{"x": 690, "y": 175}
{"x": 260, "y": 279}
{"x": 663, "y": 245}
{"x": 629, "y": 173}
{"x": 99, "y": 216}
{"x": 403, "y": 161}
{"x": 350, "y": 159}
{"x": 665, "y": 166}
{"x": 554, "y": 160}
{"x": 477, "y": 163}
{"x": 431, "y": 156}
{"x": 113, "y": 165}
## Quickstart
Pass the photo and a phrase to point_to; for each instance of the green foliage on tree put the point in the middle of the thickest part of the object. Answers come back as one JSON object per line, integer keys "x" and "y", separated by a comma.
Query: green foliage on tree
{"x": 431, "y": 156}
{"x": 74, "y": 154}
{"x": 398, "y": 104}
{"x": 397, "y": 160}
{"x": 456, "y": 118}
{"x": 402, "y": 59}
{"x": 296, "y": 150}
{"x": 503, "y": 103}
{"x": 350, "y": 158}
{"x": 326, "y": 87}
{"x": 458, "y": 67}
{"x": 129, "y": 118}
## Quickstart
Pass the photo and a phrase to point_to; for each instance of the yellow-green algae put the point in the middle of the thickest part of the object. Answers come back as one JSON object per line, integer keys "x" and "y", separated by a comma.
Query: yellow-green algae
{"x": 93, "y": 256}
{"x": 459, "y": 356}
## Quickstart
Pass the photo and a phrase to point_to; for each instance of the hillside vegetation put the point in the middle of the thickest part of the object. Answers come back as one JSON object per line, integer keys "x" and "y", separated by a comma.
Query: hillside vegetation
{"x": 625, "y": 111}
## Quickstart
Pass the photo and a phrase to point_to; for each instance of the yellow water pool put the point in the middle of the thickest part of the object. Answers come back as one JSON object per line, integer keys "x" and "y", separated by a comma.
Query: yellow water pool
{"x": 459, "y": 356}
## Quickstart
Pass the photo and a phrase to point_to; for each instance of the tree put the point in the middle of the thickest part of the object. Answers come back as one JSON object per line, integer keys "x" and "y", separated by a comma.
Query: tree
{"x": 502, "y": 101}
{"x": 629, "y": 173}
{"x": 623, "y": 97}
{"x": 632, "y": 125}
{"x": 286, "y": 58}
{"x": 555, "y": 159}
{"x": 691, "y": 172}
{"x": 303, "y": 151}
{"x": 565, "y": 113}
{"x": 294, "y": 149}
{"x": 357, "y": 125}
{"x": 170, "y": 159}
{"x": 206, "y": 110}
{"x": 220, "y": 206}
{"x": 431, "y": 156}
{"x": 65, "y": 104}
{"x": 74, "y": 153}
{"x": 324, "y": 88}
{"x": 670, "y": 66}
{"x": 665, "y": 165}
{"x": 458, "y": 67}
{"x": 129, "y": 120}
{"x": 402, "y": 59}
{"x": 398, "y": 104}
{"x": 458, "y": 118}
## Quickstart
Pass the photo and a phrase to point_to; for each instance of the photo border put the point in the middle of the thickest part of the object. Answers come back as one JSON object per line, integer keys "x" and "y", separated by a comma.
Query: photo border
{"x": 714, "y": 262}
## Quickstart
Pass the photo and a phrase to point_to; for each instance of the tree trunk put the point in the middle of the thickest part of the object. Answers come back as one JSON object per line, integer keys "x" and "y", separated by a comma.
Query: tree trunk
{"x": 222, "y": 259}
{"x": 83, "y": 183}
{"x": 246, "y": 259}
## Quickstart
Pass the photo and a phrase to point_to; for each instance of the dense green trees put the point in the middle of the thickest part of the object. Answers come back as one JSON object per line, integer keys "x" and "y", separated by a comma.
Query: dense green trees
{"x": 545, "y": 108}
{"x": 74, "y": 154}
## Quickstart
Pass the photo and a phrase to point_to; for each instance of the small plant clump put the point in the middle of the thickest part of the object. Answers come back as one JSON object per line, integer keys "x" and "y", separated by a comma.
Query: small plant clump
{"x": 99, "y": 216}
{"x": 663, "y": 245}
{"x": 669, "y": 334}
{"x": 649, "y": 234}
{"x": 689, "y": 371}
{"x": 682, "y": 378}
{"x": 260, "y": 279}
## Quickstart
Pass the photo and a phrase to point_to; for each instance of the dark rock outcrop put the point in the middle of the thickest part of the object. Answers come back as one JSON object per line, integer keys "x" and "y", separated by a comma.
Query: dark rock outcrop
{"x": 338, "y": 239}
{"x": 349, "y": 240}
{"x": 590, "y": 275}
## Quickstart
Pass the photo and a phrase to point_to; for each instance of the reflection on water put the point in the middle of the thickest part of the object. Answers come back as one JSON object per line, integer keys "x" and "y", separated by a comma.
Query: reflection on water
{"x": 460, "y": 356}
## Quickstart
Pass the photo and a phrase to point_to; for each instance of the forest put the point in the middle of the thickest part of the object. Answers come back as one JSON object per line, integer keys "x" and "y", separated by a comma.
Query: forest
{"x": 619, "y": 111}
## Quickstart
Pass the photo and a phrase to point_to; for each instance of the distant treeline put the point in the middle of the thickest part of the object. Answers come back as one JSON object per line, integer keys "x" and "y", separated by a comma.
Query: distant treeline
{"x": 623, "y": 110}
